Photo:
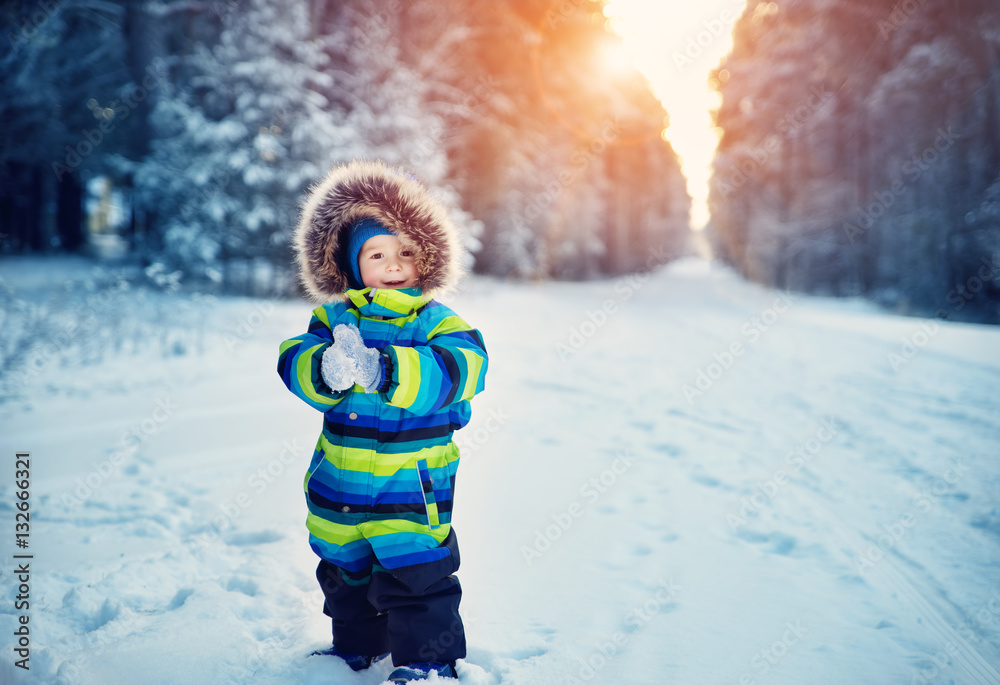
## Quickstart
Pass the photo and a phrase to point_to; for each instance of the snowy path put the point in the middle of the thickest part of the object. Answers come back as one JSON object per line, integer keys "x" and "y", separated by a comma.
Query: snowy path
{"x": 810, "y": 514}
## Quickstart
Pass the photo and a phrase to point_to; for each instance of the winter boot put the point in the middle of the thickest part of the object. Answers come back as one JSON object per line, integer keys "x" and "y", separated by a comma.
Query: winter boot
{"x": 421, "y": 670}
{"x": 357, "y": 662}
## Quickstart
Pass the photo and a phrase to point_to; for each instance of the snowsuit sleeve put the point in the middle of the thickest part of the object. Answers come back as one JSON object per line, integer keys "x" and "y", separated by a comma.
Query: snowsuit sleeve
{"x": 449, "y": 368}
{"x": 300, "y": 359}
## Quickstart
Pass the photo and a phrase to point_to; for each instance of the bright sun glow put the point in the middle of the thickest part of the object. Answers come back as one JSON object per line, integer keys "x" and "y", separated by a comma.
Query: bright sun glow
{"x": 675, "y": 44}
{"x": 616, "y": 59}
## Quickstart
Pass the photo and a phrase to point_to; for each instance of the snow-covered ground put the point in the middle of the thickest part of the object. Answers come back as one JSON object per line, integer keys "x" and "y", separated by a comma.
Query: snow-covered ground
{"x": 677, "y": 479}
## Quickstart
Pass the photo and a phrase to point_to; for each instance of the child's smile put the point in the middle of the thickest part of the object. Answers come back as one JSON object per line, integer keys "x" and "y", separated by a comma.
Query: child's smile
{"x": 386, "y": 263}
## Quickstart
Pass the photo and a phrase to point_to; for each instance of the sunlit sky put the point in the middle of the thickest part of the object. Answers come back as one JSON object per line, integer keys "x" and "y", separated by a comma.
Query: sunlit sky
{"x": 675, "y": 44}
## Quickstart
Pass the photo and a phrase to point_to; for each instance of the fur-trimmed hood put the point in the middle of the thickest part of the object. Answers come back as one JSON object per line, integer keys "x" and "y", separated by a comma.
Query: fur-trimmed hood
{"x": 396, "y": 199}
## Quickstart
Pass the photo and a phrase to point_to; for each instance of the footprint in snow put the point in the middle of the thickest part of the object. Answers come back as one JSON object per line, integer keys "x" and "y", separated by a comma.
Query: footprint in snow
{"x": 178, "y": 600}
{"x": 672, "y": 451}
{"x": 259, "y": 537}
{"x": 781, "y": 544}
{"x": 710, "y": 482}
{"x": 244, "y": 585}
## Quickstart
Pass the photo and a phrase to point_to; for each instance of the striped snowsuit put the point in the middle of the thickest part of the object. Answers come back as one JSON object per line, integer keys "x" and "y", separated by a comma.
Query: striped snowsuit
{"x": 382, "y": 475}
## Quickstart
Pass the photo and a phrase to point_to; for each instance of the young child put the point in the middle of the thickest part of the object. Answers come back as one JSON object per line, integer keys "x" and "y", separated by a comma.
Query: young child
{"x": 393, "y": 371}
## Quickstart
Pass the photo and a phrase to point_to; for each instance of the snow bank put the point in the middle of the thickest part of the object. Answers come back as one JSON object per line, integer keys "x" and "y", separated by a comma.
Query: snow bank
{"x": 675, "y": 478}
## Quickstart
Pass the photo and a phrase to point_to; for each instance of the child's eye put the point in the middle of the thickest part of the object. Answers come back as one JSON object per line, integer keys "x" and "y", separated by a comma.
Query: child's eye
{"x": 375, "y": 255}
{"x": 406, "y": 253}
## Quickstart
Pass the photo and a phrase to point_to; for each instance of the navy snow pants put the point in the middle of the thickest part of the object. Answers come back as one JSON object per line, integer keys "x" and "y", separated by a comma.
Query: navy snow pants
{"x": 411, "y": 611}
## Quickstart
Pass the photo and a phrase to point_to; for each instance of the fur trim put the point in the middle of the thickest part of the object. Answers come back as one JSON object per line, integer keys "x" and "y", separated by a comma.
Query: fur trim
{"x": 393, "y": 197}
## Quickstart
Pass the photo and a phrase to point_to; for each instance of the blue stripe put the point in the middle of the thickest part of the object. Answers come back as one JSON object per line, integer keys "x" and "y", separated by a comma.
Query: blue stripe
{"x": 412, "y": 558}
{"x": 327, "y": 477}
{"x": 378, "y": 428}
{"x": 354, "y": 556}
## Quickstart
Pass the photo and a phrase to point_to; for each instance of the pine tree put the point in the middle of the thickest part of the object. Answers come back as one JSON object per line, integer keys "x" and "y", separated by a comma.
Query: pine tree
{"x": 239, "y": 141}
{"x": 860, "y": 153}
{"x": 389, "y": 103}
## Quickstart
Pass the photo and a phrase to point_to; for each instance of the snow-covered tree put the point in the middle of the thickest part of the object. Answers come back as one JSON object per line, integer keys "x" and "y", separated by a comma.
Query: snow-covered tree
{"x": 241, "y": 137}
{"x": 861, "y": 152}
{"x": 63, "y": 79}
{"x": 389, "y": 102}
{"x": 542, "y": 149}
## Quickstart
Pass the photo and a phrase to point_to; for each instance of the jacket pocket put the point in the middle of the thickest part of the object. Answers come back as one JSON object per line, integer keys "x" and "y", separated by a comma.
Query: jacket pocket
{"x": 324, "y": 481}
{"x": 318, "y": 456}
{"x": 427, "y": 490}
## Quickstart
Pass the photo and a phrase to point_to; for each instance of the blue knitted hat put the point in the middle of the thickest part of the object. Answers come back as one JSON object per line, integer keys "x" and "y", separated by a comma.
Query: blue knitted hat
{"x": 360, "y": 232}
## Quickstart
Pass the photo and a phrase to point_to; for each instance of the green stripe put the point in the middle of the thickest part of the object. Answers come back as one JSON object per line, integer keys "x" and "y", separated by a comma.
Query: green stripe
{"x": 321, "y": 314}
{"x": 407, "y": 370}
{"x": 474, "y": 363}
{"x": 304, "y": 371}
{"x": 449, "y": 324}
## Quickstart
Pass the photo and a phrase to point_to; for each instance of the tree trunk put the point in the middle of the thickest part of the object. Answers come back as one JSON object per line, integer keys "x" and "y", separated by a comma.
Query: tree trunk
{"x": 69, "y": 213}
{"x": 22, "y": 208}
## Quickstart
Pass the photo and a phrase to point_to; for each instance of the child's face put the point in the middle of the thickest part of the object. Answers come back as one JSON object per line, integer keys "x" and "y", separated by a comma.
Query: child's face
{"x": 385, "y": 263}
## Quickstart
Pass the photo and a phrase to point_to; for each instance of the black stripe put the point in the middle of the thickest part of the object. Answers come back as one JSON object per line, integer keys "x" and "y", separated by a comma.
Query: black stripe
{"x": 453, "y": 371}
{"x": 332, "y": 505}
{"x": 399, "y": 508}
{"x": 317, "y": 325}
{"x": 352, "y": 430}
{"x": 284, "y": 364}
{"x": 444, "y": 506}
{"x": 477, "y": 338}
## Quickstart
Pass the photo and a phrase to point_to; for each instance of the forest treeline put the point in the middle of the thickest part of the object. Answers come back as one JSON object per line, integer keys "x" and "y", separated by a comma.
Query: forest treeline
{"x": 214, "y": 117}
{"x": 861, "y": 152}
